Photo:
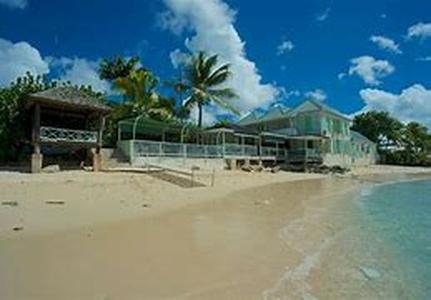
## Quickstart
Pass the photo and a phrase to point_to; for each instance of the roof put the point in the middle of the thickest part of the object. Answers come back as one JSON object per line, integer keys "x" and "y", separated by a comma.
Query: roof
{"x": 236, "y": 128}
{"x": 146, "y": 124}
{"x": 322, "y": 106}
{"x": 69, "y": 96}
{"x": 359, "y": 137}
{"x": 249, "y": 118}
{"x": 275, "y": 113}
{"x": 279, "y": 112}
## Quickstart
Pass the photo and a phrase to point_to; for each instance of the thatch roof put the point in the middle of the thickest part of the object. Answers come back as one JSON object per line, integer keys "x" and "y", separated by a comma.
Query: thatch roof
{"x": 69, "y": 96}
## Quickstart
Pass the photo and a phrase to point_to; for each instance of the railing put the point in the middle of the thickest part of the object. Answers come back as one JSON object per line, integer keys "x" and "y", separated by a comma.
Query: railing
{"x": 152, "y": 148}
{"x": 53, "y": 134}
{"x": 304, "y": 154}
{"x": 240, "y": 150}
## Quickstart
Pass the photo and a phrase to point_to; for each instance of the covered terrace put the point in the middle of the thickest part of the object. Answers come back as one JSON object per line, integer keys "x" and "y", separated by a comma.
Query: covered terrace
{"x": 145, "y": 137}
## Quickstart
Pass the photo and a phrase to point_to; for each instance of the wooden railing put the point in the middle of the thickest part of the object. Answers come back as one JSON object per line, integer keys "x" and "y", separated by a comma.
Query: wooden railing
{"x": 55, "y": 135}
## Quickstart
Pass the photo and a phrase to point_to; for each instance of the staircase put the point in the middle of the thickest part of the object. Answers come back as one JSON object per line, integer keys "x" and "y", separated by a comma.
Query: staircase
{"x": 114, "y": 158}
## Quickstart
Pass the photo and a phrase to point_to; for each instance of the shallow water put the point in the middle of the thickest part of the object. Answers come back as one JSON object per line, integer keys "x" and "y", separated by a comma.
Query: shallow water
{"x": 399, "y": 215}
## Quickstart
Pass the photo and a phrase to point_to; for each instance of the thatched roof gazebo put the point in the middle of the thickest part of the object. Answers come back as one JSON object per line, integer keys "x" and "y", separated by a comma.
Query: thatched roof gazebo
{"x": 66, "y": 116}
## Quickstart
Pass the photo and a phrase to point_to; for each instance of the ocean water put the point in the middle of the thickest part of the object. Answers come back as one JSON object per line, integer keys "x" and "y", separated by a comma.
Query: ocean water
{"x": 399, "y": 216}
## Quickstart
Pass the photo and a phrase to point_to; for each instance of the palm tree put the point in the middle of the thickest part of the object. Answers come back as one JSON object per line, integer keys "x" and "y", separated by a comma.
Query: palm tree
{"x": 203, "y": 84}
{"x": 139, "y": 91}
{"x": 117, "y": 67}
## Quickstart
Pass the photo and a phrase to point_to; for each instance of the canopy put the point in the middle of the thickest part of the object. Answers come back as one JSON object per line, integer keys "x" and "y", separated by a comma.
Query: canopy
{"x": 142, "y": 125}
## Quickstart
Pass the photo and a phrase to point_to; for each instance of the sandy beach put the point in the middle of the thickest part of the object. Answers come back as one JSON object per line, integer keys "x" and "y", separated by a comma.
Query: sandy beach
{"x": 78, "y": 235}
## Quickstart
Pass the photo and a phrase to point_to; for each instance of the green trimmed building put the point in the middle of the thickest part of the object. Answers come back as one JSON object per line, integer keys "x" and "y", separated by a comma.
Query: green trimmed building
{"x": 311, "y": 133}
{"x": 314, "y": 130}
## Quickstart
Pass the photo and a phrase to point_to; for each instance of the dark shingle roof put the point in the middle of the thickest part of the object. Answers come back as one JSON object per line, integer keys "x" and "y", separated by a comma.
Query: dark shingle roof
{"x": 69, "y": 96}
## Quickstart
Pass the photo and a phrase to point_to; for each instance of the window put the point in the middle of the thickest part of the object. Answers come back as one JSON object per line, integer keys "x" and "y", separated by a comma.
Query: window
{"x": 308, "y": 123}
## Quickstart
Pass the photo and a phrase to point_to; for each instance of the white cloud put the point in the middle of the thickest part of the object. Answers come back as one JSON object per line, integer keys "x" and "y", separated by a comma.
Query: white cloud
{"x": 341, "y": 75}
{"x": 21, "y": 4}
{"x": 178, "y": 58}
{"x": 370, "y": 69}
{"x": 322, "y": 17}
{"x": 168, "y": 20}
{"x": 285, "y": 47}
{"x": 412, "y": 104}
{"x": 209, "y": 115}
{"x": 211, "y": 23}
{"x": 386, "y": 44}
{"x": 18, "y": 58}
{"x": 286, "y": 94}
{"x": 80, "y": 71}
{"x": 419, "y": 30}
{"x": 317, "y": 94}
{"x": 424, "y": 58}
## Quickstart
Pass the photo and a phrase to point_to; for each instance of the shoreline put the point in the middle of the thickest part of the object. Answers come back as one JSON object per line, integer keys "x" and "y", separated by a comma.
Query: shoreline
{"x": 237, "y": 243}
{"x": 123, "y": 196}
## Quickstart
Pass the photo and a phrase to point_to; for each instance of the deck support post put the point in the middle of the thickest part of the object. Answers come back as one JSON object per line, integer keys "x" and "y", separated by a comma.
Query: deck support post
{"x": 97, "y": 157}
{"x": 36, "y": 157}
{"x": 224, "y": 143}
{"x": 242, "y": 146}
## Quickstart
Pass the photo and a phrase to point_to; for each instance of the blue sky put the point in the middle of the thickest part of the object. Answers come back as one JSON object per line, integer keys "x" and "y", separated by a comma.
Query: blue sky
{"x": 354, "y": 55}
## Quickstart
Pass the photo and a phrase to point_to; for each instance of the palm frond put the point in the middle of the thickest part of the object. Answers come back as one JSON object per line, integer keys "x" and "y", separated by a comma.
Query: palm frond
{"x": 219, "y": 76}
{"x": 224, "y": 104}
{"x": 208, "y": 65}
{"x": 226, "y": 93}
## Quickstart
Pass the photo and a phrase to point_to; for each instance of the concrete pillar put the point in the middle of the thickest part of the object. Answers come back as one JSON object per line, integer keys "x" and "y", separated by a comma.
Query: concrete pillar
{"x": 97, "y": 161}
{"x": 36, "y": 163}
{"x": 36, "y": 157}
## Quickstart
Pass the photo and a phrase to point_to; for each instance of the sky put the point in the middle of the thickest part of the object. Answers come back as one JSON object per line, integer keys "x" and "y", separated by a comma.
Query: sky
{"x": 353, "y": 55}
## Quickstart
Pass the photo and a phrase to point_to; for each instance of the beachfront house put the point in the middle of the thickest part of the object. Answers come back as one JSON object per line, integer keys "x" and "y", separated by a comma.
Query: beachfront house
{"x": 311, "y": 133}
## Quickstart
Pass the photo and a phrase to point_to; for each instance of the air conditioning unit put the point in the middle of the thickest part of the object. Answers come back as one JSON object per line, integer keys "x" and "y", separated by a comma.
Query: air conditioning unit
{"x": 325, "y": 133}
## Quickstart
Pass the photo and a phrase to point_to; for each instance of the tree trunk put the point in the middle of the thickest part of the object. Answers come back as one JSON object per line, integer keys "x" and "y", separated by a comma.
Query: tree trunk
{"x": 200, "y": 115}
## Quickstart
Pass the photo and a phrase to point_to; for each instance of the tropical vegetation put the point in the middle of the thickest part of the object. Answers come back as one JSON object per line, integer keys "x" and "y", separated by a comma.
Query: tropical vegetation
{"x": 204, "y": 83}
{"x": 397, "y": 143}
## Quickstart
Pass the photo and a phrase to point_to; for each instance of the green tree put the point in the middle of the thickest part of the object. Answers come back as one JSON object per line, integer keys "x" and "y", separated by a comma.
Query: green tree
{"x": 203, "y": 84}
{"x": 113, "y": 68}
{"x": 13, "y": 119}
{"x": 139, "y": 91}
{"x": 411, "y": 142}
{"x": 138, "y": 87}
{"x": 415, "y": 141}
{"x": 379, "y": 127}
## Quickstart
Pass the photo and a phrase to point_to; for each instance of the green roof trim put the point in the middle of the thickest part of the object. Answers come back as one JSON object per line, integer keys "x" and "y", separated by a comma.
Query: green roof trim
{"x": 248, "y": 119}
{"x": 275, "y": 113}
{"x": 280, "y": 112}
{"x": 148, "y": 125}
{"x": 326, "y": 108}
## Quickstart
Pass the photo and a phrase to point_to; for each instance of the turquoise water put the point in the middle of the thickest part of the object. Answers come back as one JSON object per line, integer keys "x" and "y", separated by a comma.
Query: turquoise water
{"x": 399, "y": 215}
